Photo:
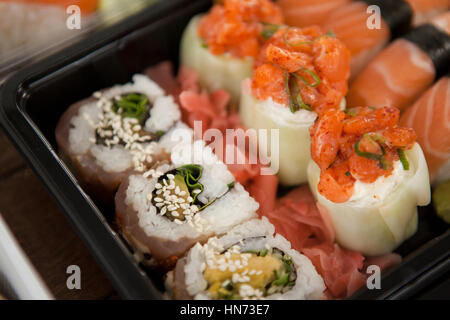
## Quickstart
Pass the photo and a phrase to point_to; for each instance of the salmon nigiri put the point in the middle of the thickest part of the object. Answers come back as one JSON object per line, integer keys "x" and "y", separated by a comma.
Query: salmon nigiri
{"x": 406, "y": 68}
{"x": 353, "y": 25}
{"x": 430, "y": 118}
{"x": 305, "y": 13}
{"x": 424, "y": 10}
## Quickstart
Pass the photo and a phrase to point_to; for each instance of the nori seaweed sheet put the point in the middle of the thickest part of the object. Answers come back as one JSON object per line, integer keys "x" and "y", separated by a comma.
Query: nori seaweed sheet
{"x": 436, "y": 43}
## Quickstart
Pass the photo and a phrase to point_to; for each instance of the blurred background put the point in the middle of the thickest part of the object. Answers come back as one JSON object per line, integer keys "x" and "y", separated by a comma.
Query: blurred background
{"x": 33, "y": 29}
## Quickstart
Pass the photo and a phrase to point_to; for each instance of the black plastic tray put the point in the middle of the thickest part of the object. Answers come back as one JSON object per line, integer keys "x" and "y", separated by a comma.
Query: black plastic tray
{"x": 33, "y": 100}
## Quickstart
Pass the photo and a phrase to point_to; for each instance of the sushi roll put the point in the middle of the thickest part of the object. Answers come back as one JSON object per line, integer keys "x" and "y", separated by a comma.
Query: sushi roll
{"x": 405, "y": 68}
{"x": 370, "y": 175}
{"x": 429, "y": 116}
{"x": 165, "y": 211}
{"x": 249, "y": 262}
{"x": 117, "y": 131}
{"x": 302, "y": 72}
{"x": 425, "y": 10}
{"x": 221, "y": 45}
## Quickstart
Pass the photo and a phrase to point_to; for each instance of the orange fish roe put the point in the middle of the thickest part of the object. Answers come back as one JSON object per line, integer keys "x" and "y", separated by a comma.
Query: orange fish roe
{"x": 308, "y": 69}
{"x": 359, "y": 144}
{"x": 237, "y": 26}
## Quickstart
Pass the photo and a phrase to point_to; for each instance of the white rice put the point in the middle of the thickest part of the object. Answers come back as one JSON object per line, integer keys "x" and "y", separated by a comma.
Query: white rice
{"x": 215, "y": 177}
{"x": 258, "y": 234}
{"x": 164, "y": 116}
{"x": 230, "y": 209}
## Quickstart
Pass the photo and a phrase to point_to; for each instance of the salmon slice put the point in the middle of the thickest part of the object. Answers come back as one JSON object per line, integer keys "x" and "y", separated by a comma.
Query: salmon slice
{"x": 424, "y": 10}
{"x": 397, "y": 75}
{"x": 430, "y": 118}
{"x": 442, "y": 22}
{"x": 305, "y": 13}
{"x": 349, "y": 23}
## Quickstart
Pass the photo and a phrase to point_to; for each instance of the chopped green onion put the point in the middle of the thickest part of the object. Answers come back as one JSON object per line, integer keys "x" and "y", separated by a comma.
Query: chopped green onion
{"x": 229, "y": 286}
{"x": 261, "y": 253}
{"x": 277, "y": 274}
{"x": 403, "y": 160}
{"x": 303, "y": 105}
{"x": 287, "y": 258}
{"x": 292, "y": 105}
{"x": 160, "y": 133}
{"x": 375, "y": 137}
{"x": 351, "y": 112}
{"x": 205, "y": 45}
{"x": 132, "y": 105}
{"x": 293, "y": 92}
{"x": 368, "y": 155}
{"x": 281, "y": 281}
{"x": 224, "y": 294}
{"x": 209, "y": 203}
{"x": 384, "y": 163}
{"x": 331, "y": 34}
{"x": 269, "y": 30}
{"x": 293, "y": 44}
{"x": 231, "y": 184}
{"x": 347, "y": 173}
{"x": 313, "y": 74}
{"x": 192, "y": 174}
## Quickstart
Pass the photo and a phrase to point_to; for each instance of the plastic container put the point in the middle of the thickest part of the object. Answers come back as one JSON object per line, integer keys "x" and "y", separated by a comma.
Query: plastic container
{"x": 33, "y": 100}
{"x": 18, "y": 278}
{"x": 53, "y": 35}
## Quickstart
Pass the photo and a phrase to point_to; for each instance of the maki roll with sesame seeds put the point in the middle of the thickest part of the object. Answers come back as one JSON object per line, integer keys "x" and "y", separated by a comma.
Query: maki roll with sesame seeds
{"x": 117, "y": 131}
{"x": 166, "y": 210}
{"x": 249, "y": 262}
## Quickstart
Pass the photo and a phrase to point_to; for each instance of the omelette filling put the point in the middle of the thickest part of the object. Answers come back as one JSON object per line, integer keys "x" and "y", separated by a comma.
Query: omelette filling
{"x": 252, "y": 274}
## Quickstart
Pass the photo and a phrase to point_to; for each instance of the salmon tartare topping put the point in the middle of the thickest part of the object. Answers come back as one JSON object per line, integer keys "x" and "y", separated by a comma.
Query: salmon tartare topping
{"x": 239, "y": 27}
{"x": 303, "y": 68}
{"x": 361, "y": 143}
